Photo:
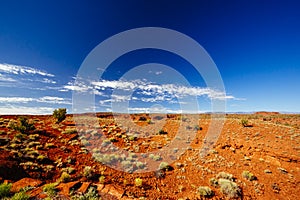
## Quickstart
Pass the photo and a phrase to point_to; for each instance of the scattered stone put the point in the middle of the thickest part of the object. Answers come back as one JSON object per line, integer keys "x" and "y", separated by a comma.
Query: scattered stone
{"x": 267, "y": 171}
{"x": 282, "y": 170}
{"x": 25, "y": 182}
{"x": 275, "y": 187}
{"x": 66, "y": 187}
{"x": 84, "y": 187}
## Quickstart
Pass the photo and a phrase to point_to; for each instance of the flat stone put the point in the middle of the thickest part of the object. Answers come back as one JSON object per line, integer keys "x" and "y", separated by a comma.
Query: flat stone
{"x": 99, "y": 187}
{"x": 25, "y": 182}
{"x": 66, "y": 187}
{"x": 111, "y": 190}
{"x": 84, "y": 187}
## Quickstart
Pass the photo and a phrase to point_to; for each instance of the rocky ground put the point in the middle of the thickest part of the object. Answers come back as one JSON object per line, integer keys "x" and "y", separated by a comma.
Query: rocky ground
{"x": 143, "y": 156}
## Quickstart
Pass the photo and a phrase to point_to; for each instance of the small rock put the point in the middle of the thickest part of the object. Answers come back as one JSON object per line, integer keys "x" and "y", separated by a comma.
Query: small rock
{"x": 84, "y": 187}
{"x": 25, "y": 182}
{"x": 282, "y": 170}
{"x": 267, "y": 171}
{"x": 275, "y": 187}
{"x": 247, "y": 158}
{"x": 66, "y": 187}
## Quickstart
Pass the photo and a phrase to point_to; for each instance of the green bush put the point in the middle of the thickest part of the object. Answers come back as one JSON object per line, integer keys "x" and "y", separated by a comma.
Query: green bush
{"x": 213, "y": 182}
{"x": 225, "y": 175}
{"x": 205, "y": 191}
{"x": 165, "y": 166}
{"x": 4, "y": 190}
{"x": 88, "y": 172}
{"x": 60, "y": 114}
{"x": 92, "y": 194}
{"x": 229, "y": 188}
{"x": 65, "y": 177}
{"x": 50, "y": 189}
{"x": 20, "y": 196}
{"x": 245, "y": 123}
{"x": 23, "y": 126}
{"x": 248, "y": 175}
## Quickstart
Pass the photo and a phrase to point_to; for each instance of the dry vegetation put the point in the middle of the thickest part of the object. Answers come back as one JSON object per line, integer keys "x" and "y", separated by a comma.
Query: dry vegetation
{"x": 42, "y": 157}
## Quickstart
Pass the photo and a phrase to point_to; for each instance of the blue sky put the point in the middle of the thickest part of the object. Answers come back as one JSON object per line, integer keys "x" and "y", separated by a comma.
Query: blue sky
{"x": 254, "y": 44}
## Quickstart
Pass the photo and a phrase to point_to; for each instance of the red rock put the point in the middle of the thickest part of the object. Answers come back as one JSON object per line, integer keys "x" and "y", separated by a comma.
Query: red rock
{"x": 111, "y": 190}
{"x": 65, "y": 187}
{"x": 84, "y": 187}
{"x": 35, "y": 192}
{"x": 25, "y": 182}
{"x": 99, "y": 187}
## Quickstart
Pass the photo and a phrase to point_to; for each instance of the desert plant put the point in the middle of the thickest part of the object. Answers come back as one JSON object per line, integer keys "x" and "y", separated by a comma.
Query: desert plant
{"x": 70, "y": 131}
{"x": 157, "y": 158}
{"x": 245, "y": 123}
{"x": 213, "y": 182}
{"x": 20, "y": 196}
{"x": 60, "y": 114}
{"x": 88, "y": 172}
{"x": 138, "y": 182}
{"x": 5, "y": 189}
{"x": 50, "y": 189}
{"x": 102, "y": 179}
{"x": 248, "y": 175}
{"x": 65, "y": 177}
{"x": 205, "y": 191}
{"x": 92, "y": 194}
{"x": 23, "y": 125}
{"x": 165, "y": 166}
{"x": 225, "y": 175}
{"x": 229, "y": 188}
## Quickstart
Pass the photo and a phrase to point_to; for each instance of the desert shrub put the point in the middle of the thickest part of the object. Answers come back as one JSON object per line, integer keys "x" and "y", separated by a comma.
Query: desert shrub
{"x": 23, "y": 125}
{"x": 245, "y": 123}
{"x": 20, "y": 196}
{"x": 70, "y": 131}
{"x": 88, "y": 172}
{"x": 248, "y": 175}
{"x": 213, "y": 182}
{"x": 140, "y": 165}
{"x": 50, "y": 189}
{"x": 165, "y": 166}
{"x": 102, "y": 179}
{"x": 138, "y": 182}
{"x": 132, "y": 138}
{"x": 205, "y": 191}
{"x": 5, "y": 190}
{"x": 229, "y": 188}
{"x": 225, "y": 175}
{"x": 92, "y": 194}
{"x": 155, "y": 157}
{"x": 60, "y": 114}
{"x": 65, "y": 177}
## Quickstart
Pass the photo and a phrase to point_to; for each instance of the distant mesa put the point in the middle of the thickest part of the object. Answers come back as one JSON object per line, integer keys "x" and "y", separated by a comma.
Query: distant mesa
{"x": 266, "y": 113}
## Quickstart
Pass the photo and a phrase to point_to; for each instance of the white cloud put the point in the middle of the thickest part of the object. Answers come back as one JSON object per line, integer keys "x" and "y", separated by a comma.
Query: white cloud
{"x": 46, "y": 80}
{"x": 6, "y": 78}
{"x": 15, "y": 100}
{"x": 163, "y": 90}
{"x": 18, "y": 69}
{"x": 17, "y": 110}
{"x": 45, "y": 99}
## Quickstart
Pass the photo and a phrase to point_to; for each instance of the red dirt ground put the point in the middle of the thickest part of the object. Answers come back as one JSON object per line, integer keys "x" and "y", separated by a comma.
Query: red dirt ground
{"x": 270, "y": 150}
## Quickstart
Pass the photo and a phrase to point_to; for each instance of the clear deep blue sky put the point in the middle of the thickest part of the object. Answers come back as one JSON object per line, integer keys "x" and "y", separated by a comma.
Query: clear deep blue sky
{"x": 255, "y": 45}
